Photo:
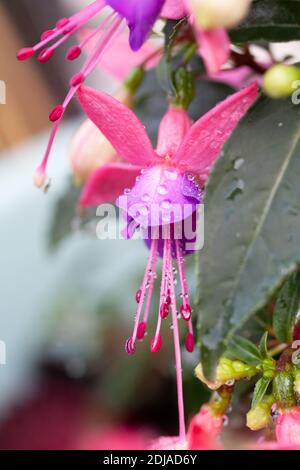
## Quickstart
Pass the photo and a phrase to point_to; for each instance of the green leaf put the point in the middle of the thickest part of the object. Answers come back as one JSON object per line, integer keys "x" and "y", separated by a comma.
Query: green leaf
{"x": 260, "y": 390}
{"x": 270, "y": 20}
{"x": 252, "y": 237}
{"x": 263, "y": 345}
{"x": 286, "y": 308}
{"x": 244, "y": 350}
{"x": 65, "y": 216}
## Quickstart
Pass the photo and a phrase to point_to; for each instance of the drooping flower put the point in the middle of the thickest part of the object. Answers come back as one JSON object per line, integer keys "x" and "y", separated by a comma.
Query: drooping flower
{"x": 140, "y": 17}
{"x": 166, "y": 190}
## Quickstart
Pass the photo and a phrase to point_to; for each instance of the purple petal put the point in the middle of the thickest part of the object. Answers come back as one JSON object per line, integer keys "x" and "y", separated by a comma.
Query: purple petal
{"x": 161, "y": 196}
{"x": 140, "y": 15}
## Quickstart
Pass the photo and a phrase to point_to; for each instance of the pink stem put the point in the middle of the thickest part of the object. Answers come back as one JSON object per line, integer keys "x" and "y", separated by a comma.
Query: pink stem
{"x": 182, "y": 433}
{"x": 152, "y": 280}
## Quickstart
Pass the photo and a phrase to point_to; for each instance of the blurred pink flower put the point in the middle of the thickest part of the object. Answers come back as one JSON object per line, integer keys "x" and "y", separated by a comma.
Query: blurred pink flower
{"x": 203, "y": 434}
{"x": 119, "y": 59}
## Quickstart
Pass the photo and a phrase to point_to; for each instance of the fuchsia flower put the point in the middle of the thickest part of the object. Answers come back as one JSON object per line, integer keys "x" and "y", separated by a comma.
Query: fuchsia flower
{"x": 166, "y": 179}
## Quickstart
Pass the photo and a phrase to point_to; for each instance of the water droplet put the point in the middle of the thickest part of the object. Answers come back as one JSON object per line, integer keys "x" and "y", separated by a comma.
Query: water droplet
{"x": 190, "y": 177}
{"x": 143, "y": 210}
{"x": 238, "y": 163}
{"x": 146, "y": 197}
{"x": 166, "y": 204}
{"x": 236, "y": 188}
{"x": 138, "y": 296}
{"x": 230, "y": 383}
{"x": 171, "y": 175}
{"x": 225, "y": 421}
{"x": 162, "y": 190}
{"x": 280, "y": 124}
{"x": 127, "y": 191}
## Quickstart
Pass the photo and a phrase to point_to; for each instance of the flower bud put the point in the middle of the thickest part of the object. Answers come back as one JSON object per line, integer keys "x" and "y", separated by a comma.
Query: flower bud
{"x": 259, "y": 417}
{"x": 297, "y": 383}
{"x": 279, "y": 80}
{"x": 227, "y": 370}
{"x": 210, "y": 14}
{"x": 283, "y": 389}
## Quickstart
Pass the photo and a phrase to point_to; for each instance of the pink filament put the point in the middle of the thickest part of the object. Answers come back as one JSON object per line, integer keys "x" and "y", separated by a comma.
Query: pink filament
{"x": 184, "y": 289}
{"x": 89, "y": 66}
{"x": 182, "y": 434}
{"x": 149, "y": 275}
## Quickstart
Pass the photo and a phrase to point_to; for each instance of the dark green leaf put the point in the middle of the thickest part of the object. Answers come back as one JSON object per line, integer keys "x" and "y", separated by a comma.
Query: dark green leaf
{"x": 260, "y": 390}
{"x": 252, "y": 240}
{"x": 263, "y": 345}
{"x": 244, "y": 350}
{"x": 286, "y": 308}
{"x": 270, "y": 20}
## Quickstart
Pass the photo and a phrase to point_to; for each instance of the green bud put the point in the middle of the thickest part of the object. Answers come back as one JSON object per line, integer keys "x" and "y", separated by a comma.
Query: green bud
{"x": 227, "y": 371}
{"x": 185, "y": 87}
{"x": 259, "y": 417}
{"x": 283, "y": 389}
{"x": 279, "y": 79}
{"x": 297, "y": 382}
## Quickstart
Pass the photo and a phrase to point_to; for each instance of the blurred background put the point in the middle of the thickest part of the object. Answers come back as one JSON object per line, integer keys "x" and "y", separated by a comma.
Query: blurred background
{"x": 66, "y": 299}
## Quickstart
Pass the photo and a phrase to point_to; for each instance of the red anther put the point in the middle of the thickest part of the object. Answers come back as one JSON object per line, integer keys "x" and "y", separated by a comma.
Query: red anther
{"x": 141, "y": 330}
{"x": 73, "y": 53}
{"x": 129, "y": 346}
{"x": 62, "y": 22}
{"x": 138, "y": 296}
{"x": 190, "y": 342}
{"x": 164, "y": 311}
{"x": 56, "y": 113}
{"x": 156, "y": 344}
{"x": 186, "y": 312}
{"x": 47, "y": 34}
{"x": 25, "y": 53}
{"x": 45, "y": 55}
{"x": 77, "y": 79}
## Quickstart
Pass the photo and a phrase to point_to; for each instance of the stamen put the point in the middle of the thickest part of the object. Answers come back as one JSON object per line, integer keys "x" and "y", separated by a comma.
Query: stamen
{"x": 138, "y": 296}
{"x": 74, "y": 52}
{"x": 129, "y": 346}
{"x": 164, "y": 290}
{"x": 25, "y": 53}
{"x": 182, "y": 434}
{"x": 156, "y": 344}
{"x": 138, "y": 330}
{"x": 141, "y": 330}
{"x": 185, "y": 309}
{"x": 58, "y": 112}
{"x": 65, "y": 26}
{"x": 189, "y": 342}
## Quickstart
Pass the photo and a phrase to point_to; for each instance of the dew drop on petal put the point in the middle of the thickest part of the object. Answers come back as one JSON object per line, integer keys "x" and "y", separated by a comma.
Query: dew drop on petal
{"x": 162, "y": 190}
{"x": 171, "y": 175}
